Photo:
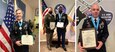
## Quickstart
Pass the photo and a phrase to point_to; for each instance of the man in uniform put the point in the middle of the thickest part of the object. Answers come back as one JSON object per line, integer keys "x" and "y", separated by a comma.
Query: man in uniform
{"x": 100, "y": 26}
{"x": 20, "y": 27}
{"x": 49, "y": 24}
{"x": 61, "y": 23}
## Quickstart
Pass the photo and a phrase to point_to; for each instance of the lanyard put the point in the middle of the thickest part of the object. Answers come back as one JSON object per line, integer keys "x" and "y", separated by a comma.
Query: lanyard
{"x": 20, "y": 24}
{"x": 96, "y": 26}
{"x": 60, "y": 16}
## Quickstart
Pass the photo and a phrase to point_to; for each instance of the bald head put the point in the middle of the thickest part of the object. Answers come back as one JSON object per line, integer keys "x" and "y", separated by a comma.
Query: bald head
{"x": 95, "y": 10}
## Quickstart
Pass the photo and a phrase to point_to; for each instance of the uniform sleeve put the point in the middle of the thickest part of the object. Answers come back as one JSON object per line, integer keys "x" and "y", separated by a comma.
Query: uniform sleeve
{"x": 46, "y": 22}
{"x": 12, "y": 33}
{"x": 66, "y": 20}
{"x": 83, "y": 26}
{"x": 56, "y": 19}
{"x": 105, "y": 33}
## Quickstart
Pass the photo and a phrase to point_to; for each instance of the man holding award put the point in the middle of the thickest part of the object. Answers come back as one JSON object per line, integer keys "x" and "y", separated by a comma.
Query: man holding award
{"x": 19, "y": 32}
{"x": 49, "y": 24}
{"x": 61, "y": 23}
{"x": 94, "y": 32}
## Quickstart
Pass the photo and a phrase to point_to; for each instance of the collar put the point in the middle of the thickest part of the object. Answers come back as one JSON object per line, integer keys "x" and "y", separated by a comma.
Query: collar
{"x": 60, "y": 13}
{"x": 95, "y": 18}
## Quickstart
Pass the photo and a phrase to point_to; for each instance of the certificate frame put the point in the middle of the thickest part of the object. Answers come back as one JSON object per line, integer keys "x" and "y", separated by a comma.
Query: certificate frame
{"x": 27, "y": 40}
{"x": 52, "y": 25}
{"x": 90, "y": 41}
{"x": 60, "y": 24}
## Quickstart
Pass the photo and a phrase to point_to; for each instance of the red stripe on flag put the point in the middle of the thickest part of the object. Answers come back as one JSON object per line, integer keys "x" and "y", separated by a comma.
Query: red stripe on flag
{"x": 45, "y": 12}
{"x": 3, "y": 46}
{"x": 7, "y": 38}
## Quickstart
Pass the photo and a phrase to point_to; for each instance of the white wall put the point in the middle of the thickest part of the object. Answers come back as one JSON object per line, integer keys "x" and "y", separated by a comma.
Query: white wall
{"x": 30, "y": 12}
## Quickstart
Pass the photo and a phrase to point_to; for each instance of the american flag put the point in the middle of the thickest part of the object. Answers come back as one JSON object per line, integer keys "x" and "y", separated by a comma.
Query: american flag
{"x": 45, "y": 10}
{"x": 5, "y": 41}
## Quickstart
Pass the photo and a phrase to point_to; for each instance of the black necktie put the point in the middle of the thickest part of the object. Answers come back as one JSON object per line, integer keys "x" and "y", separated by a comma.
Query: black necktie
{"x": 95, "y": 22}
{"x": 20, "y": 22}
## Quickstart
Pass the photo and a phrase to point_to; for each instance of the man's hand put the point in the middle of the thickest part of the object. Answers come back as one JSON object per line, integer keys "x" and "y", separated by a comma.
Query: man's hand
{"x": 80, "y": 47}
{"x": 100, "y": 45}
{"x": 18, "y": 43}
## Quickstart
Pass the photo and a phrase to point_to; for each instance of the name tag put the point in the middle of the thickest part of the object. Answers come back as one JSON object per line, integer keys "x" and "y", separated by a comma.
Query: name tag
{"x": 27, "y": 40}
{"x": 60, "y": 24}
{"x": 52, "y": 25}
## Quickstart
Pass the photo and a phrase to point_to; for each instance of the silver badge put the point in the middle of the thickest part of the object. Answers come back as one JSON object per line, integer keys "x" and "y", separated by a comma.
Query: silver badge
{"x": 97, "y": 32}
{"x": 20, "y": 28}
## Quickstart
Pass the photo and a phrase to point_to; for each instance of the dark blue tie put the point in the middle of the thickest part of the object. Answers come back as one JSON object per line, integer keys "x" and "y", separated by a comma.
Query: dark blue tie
{"x": 95, "y": 22}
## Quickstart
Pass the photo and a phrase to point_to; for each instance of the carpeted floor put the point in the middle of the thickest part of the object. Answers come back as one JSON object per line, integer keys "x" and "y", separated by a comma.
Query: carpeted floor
{"x": 70, "y": 48}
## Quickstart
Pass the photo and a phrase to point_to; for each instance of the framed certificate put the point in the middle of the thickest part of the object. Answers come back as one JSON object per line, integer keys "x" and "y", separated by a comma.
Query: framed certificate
{"x": 52, "y": 25}
{"x": 88, "y": 38}
{"x": 27, "y": 40}
{"x": 60, "y": 24}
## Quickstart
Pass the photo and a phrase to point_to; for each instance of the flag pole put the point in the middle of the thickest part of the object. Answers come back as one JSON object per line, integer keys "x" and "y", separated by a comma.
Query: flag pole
{"x": 15, "y": 5}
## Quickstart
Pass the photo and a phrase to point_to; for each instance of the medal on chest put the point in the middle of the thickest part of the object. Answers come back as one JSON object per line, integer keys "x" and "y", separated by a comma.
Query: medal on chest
{"x": 97, "y": 32}
{"x": 96, "y": 25}
{"x": 20, "y": 25}
{"x": 20, "y": 28}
